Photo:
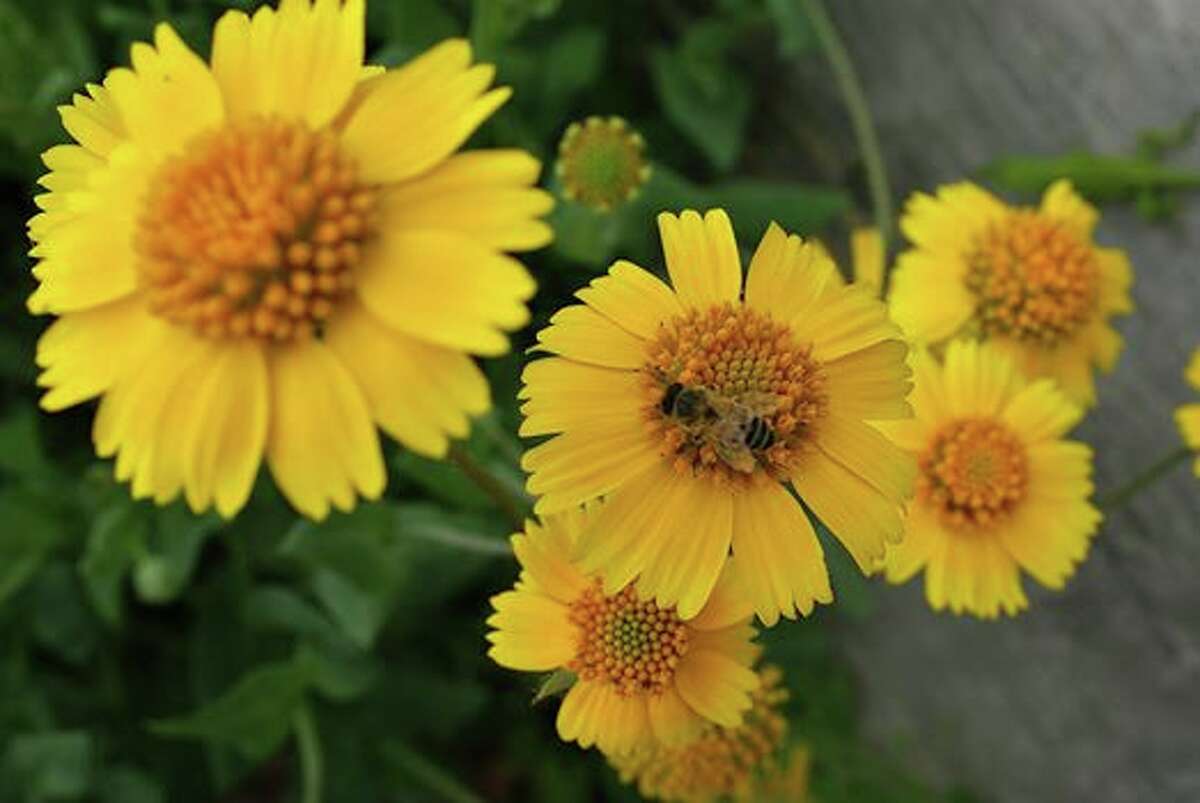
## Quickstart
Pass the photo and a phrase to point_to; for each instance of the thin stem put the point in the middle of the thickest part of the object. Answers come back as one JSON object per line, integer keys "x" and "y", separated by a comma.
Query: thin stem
{"x": 308, "y": 746}
{"x": 860, "y": 114}
{"x": 416, "y": 767}
{"x": 1119, "y": 497}
{"x": 488, "y": 484}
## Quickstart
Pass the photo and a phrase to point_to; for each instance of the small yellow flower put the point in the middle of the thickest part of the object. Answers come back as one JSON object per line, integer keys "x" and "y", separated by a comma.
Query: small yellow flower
{"x": 269, "y": 254}
{"x": 645, "y": 675}
{"x": 722, "y": 762}
{"x": 602, "y": 163}
{"x": 1188, "y": 415}
{"x": 1032, "y": 281}
{"x": 998, "y": 490}
{"x": 694, "y": 409}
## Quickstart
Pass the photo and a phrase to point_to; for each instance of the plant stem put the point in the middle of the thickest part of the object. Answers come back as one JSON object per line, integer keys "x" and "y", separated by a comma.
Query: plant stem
{"x": 489, "y": 485}
{"x": 308, "y": 746}
{"x": 416, "y": 767}
{"x": 1119, "y": 497}
{"x": 860, "y": 114}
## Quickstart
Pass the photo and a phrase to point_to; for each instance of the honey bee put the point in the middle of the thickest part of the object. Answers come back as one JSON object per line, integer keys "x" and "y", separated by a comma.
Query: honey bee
{"x": 735, "y": 428}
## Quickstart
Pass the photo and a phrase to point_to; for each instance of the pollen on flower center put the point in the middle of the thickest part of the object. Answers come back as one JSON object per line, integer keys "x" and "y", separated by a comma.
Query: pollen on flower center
{"x": 732, "y": 393}
{"x": 1033, "y": 279}
{"x": 974, "y": 473}
{"x": 255, "y": 230}
{"x": 632, "y": 644}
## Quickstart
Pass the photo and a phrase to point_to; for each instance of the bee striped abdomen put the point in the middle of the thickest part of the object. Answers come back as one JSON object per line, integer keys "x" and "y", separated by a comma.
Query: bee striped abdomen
{"x": 759, "y": 434}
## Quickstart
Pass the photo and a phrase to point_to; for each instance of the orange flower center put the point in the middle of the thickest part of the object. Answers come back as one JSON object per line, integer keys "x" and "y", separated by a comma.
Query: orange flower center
{"x": 632, "y": 644}
{"x": 974, "y": 474}
{"x": 255, "y": 230}
{"x": 722, "y": 762}
{"x": 1033, "y": 279}
{"x": 732, "y": 394}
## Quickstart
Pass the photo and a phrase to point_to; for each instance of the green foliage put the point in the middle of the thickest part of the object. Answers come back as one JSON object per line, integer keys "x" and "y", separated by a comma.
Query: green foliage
{"x": 148, "y": 654}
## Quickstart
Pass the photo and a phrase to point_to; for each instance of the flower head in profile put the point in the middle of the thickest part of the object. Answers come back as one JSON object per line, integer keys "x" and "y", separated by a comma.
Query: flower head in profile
{"x": 999, "y": 489}
{"x": 645, "y": 676}
{"x": 1031, "y": 281}
{"x": 722, "y": 763}
{"x": 267, "y": 255}
{"x": 702, "y": 411}
{"x": 1188, "y": 415}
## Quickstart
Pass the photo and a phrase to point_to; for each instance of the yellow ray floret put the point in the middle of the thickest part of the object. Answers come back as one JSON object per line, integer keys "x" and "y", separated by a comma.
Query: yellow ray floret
{"x": 702, "y": 409}
{"x": 1031, "y": 281}
{"x": 999, "y": 489}
{"x": 645, "y": 675}
{"x": 264, "y": 257}
{"x": 1188, "y": 415}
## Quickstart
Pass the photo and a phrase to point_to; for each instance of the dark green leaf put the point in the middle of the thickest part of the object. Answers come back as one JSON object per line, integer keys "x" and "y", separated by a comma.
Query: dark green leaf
{"x": 55, "y": 765}
{"x": 163, "y": 569}
{"x": 556, "y": 684}
{"x": 62, "y": 621}
{"x": 1098, "y": 178}
{"x": 129, "y": 785}
{"x": 796, "y": 35}
{"x": 571, "y": 63}
{"x": 28, "y": 533}
{"x": 117, "y": 538}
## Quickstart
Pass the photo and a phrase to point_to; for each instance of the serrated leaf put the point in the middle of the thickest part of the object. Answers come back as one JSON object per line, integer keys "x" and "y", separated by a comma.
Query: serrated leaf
{"x": 253, "y": 717}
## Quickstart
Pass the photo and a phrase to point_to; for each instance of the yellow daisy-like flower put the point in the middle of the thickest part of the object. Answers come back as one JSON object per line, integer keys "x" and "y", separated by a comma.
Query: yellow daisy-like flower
{"x": 1188, "y": 416}
{"x": 999, "y": 489}
{"x": 271, "y": 253}
{"x": 722, "y": 763}
{"x": 1032, "y": 281}
{"x": 645, "y": 675}
{"x": 694, "y": 409}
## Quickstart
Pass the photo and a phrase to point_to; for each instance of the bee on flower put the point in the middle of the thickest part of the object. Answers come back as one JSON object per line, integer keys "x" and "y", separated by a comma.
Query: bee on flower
{"x": 267, "y": 255}
{"x": 1031, "y": 281}
{"x": 705, "y": 411}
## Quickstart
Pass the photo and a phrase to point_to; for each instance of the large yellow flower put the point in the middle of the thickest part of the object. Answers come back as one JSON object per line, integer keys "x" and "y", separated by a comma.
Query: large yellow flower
{"x": 998, "y": 490}
{"x": 1032, "y": 281}
{"x": 1188, "y": 415}
{"x": 694, "y": 409}
{"x": 645, "y": 675}
{"x": 268, "y": 253}
{"x": 724, "y": 763}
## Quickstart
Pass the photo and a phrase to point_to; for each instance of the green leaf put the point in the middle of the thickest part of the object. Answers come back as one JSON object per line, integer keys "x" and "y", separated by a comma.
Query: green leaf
{"x": 253, "y": 717}
{"x": 796, "y": 35}
{"x": 56, "y": 765}
{"x": 702, "y": 94}
{"x": 1098, "y": 178}
{"x": 409, "y": 27}
{"x": 572, "y": 62}
{"x": 340, "y": 671}
{"x": 798, "y": 208}
{"x": 556, "y": 684}
{"x": 130, "y": 785}
{"x": 162, "y": 570}
{"x": 28, "y": 534}
{"x": 61, "y": 620}
{"x": 117, "y": 538}
{"x": 21, "y": 452}
{"x": 416, "y": 771}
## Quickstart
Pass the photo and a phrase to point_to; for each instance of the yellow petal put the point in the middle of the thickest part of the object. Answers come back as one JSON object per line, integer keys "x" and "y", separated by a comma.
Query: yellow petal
{"x": 531, "y": 632}
{"x": 672, "y": 721}
{"x": 321, "y": 444}
{"x": 419, "y": 393}
{"x": 413, "y": 117}
{"x": 564, "y": 395}
{"x": 729, "y": 603}
{"x": 1188, "y": 419}
{"x": 858, "y": 515}
{"x": 872, "y": 383}
{"x": 168, "y": 97}
{"x": 846, "y": 319}
{"x": 715, "y": 686}
{"x": 927, "y": 297}
{"x": 632, "y": 298}
{"x": 583, "y": 713}
{"x": 576, "y": 467}
{"x": 94, "y": 121}
{"x": 702, "y": 257}
{"x": 301, "y": 62}
{"x": 1116, "y": 277}
{"x": 489, "y": 196}
{"x": 580, "y": 333}
{"x": 549, "y": 565}
{"x": 446, "y": 289}
{"x": 82, "y": 354}
{"x": 787, "y": 276}
{"x": 923, "y": 535}
{"x": 777, "y": 554}
{"x": 1040, "y": 412}
{"x": 1192, "y": 375}
{"x": 971, "y": 573}
{"x": 234, "y": 403}
{"x": 979, "y": 379}
{"x": 948, "y": 224}
{"x": 1061, "y": 202}
{"x": 867, "y": 257}
{"x": 869, "y": 455}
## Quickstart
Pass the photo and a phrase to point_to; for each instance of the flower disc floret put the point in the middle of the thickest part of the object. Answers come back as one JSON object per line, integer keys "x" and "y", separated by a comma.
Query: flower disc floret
{"x": 974, "y": 473}
{"x": 632, "y": 644}
{"x": 255, "y": 229}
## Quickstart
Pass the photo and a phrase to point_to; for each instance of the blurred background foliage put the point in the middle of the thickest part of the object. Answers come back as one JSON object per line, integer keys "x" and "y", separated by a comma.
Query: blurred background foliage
{"x": 150, "y": 655}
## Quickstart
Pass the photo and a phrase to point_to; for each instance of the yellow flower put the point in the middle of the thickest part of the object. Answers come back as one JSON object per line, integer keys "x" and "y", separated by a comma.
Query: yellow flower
{"x": 1032, "y": 281}
{"x": 693, "y": 409}
{"x": 1188, "y": 415}
{"x": 645, "y": 675}
{"x": 722, "y": 762}
{"x": 998, "y": 490}
{"x": 270, "y": 254}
